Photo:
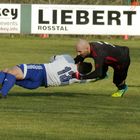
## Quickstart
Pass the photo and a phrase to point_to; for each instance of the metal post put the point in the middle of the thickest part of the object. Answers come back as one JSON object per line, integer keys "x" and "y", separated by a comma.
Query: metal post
{"x": 128, "y": 2}
{"x": 49, "y": 1}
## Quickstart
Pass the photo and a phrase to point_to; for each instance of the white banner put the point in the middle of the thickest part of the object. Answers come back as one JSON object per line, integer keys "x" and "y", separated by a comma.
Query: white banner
{"x": 9, "y": 18}
{"x": 85, "y": 19}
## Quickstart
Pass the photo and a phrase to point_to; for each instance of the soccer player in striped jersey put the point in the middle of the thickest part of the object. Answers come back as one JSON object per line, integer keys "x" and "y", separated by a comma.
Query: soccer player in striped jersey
{"x": 105, "y": 55}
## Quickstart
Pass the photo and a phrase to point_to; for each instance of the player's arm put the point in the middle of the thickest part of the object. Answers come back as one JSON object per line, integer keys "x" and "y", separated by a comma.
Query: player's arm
{"x": 74, "y": 80}
{"x": 98, "y": 72}
{"x": 78, "y": 59}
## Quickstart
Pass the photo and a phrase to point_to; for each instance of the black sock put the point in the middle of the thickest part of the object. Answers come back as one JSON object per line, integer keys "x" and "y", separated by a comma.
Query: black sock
{"x": 120, "y": 87}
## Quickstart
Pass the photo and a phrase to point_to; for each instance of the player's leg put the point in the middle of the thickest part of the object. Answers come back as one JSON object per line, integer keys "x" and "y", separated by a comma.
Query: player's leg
{"x": 104, "y": 71}
{"x": 119, "y": 81}
{"x": 28, "y": 84}
{"x": 9, "y": 79}
{"x": 33, "y": 76}
{"x": 16, "y": 71}
{"x": 2, "y": 77}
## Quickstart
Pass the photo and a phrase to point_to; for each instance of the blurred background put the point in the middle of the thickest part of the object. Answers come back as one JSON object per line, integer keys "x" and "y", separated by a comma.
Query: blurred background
{"x": 95, "y": 2}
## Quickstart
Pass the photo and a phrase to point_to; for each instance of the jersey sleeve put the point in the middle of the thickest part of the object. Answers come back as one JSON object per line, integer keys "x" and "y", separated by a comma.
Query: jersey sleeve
{"x": 78, "y": 59}
{"x": 98, "y": 72}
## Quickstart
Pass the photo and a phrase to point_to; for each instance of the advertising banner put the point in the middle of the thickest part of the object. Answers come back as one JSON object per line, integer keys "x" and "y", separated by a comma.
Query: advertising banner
{"x": 85, "y": 19}
{"x": 10, "y": 18}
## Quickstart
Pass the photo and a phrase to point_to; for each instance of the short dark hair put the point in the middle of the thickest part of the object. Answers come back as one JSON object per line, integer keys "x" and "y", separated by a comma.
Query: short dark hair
{"x": 84, "y": 67}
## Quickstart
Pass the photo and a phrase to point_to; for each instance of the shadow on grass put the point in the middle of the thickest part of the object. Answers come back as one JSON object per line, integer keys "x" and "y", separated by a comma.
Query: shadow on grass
{"x": 138, "y": 86}
{"x": 57, "y": 94}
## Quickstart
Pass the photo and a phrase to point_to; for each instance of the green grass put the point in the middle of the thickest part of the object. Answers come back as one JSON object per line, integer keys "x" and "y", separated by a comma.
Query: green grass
{"x": 75, "y": 112}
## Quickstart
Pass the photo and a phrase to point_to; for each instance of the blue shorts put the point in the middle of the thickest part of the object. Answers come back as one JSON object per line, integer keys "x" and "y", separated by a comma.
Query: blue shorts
{"x": 34, "y": 76}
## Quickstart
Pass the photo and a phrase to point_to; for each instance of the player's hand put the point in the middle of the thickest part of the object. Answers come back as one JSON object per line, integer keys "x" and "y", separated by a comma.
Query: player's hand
{"x": 78, "y": 59}
{"x": 76, "y": 75}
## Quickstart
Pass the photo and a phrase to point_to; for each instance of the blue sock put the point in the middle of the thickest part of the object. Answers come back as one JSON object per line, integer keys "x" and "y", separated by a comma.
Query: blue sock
{"x": 2, "y": 77}
{"x": 8, "y": 83}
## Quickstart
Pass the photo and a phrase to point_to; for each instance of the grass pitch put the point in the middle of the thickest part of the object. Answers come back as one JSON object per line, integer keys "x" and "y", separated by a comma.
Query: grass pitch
{"x": 75, "y": 112}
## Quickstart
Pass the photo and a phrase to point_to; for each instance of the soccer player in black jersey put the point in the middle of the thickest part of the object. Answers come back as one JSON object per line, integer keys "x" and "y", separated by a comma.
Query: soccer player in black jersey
{"x": 105, "y": 55}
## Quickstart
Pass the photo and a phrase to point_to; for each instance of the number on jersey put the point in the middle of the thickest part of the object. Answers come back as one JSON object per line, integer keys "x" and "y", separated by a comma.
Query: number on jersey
{"x": 65, "y": 74}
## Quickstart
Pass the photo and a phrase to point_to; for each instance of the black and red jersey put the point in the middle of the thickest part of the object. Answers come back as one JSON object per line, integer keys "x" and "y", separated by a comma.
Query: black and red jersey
{"x": 104, "y": 55}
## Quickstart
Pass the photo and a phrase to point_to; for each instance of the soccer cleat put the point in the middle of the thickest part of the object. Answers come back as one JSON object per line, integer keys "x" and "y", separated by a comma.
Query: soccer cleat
{"x": 120, "y": 93}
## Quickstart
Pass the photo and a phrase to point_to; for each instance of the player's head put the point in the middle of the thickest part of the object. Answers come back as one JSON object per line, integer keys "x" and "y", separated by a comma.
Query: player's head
{"x": 68, "y": 58}
{"x": 65, "y": 57}
{"x": 84, "y": 67}
{"x": 82, "y": 48}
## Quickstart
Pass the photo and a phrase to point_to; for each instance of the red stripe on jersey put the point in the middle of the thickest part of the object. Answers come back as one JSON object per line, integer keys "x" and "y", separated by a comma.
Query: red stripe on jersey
{"x": 97, "y": 66}
{"x": 111, "y": 59}
{"x": 93, "y": 53}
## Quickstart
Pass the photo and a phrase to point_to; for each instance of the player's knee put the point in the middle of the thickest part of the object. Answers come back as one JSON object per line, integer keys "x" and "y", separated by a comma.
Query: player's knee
{"x": 17, "y": 72}
{"x": 14, "y": 71}
{"x": 5, "y": 70}
{"x": 11, "y": 71}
